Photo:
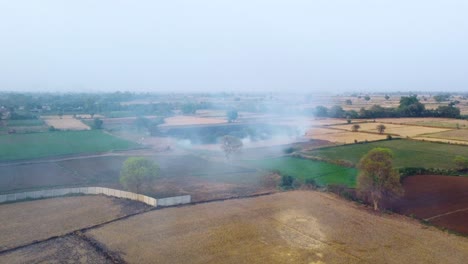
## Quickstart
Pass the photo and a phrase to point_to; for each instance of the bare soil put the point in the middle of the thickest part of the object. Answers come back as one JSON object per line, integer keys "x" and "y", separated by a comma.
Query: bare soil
{"x": 67, "y": 122}
{"x": 292, "y": 227}
{"x": 443, "y": 200}
{"x": 25, "y": 222}
{"x": 68, "y": 249}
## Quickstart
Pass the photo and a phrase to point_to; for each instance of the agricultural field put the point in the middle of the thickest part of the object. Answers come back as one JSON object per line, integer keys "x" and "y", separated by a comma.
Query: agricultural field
{"x": 427, "y": 121}
{"x": 40, "y": 145}
{"x": 321, "y": 173}
{"x": 180, "y": 175}
{"x": 192, "y": 120}
{"x": 408, "y": 153}
{"x": 457, "y": 134}
{"x": 290, "y": 227}
{"x": 441, "y": 200}
{"x": 341, "y": 136}
{"x": 66, "y": 122}
{"x": 25, "y": 222}
{"x": 400, "y": 130}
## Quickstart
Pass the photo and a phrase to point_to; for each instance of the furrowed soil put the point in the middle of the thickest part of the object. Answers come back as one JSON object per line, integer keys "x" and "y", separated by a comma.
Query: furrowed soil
{"x": 442, "y": 200}
{"x": 25, "y": 222}
{"x": 291, "y": 227}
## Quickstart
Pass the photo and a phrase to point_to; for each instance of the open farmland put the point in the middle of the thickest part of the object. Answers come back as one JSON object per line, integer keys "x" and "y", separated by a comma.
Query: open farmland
{"x": 40, "y": 145}
{"x": 427, "y": 121}
{"x": 66, "y": 122}
{"x": 457, "y": 134}
{"x": 192, "y": 120}
{"x": 442, "y": 200}
{"x": 321, "y": 172}
{"x": 400, "y": 130}
{"x": 408, "y": 153}
{"x": 180, "y": 175}
{"x": 25, "y": 222}
{"x": 340, "y": 136}
{"x": 292, "y": 227}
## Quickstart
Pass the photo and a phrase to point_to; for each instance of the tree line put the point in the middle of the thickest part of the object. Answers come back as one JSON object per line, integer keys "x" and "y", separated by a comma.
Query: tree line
{"x": 410, "y": 106}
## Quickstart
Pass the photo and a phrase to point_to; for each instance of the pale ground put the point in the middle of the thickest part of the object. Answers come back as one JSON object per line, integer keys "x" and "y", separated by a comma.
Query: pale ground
{"x": 67, "y": 122}
{"x": 456, "y": 134}
{"x": 401, "y": 130}
{"x": 340, "y": 136}
{"x": 191, "y": 120}
{"x": 24, "y": 222}
{"x": 292, "y": 227}
{"x": 442, "y": 140}
{"x": 427, "y": 121}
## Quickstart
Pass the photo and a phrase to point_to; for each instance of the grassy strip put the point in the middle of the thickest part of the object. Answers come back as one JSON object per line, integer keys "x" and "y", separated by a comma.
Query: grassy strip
{"x": 408, "y": 153}
{"x": 302, "y": 169}
{"x": 39, "y": 145}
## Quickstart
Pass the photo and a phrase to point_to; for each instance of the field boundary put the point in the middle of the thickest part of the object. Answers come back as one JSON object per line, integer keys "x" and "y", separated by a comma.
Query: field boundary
{"x": 49, "y": 193}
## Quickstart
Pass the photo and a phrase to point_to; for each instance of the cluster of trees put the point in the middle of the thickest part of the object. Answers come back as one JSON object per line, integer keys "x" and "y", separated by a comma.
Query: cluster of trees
{"x": 410, "y": 106}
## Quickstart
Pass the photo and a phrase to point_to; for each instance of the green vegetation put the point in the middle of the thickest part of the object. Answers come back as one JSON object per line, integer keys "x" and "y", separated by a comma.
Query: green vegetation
{"x": 408, "y": 153}
{"x": 137, "y": 173}
{"x": 302, "y": 169}
{"x": 25, "y": 122}
{"x": 377, "y": 178}
{"x": 38, "y": 145}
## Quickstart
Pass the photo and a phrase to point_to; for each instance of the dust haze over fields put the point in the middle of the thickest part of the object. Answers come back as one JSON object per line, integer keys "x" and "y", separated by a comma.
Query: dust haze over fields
{"x": 217, "y": 46}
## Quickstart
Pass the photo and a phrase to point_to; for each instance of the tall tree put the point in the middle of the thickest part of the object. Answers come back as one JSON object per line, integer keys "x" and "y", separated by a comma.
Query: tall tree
{"x": 230, "y": 145}
{"x": 381, "y": 128}
{"x": 138, "y": 172}
{"x": 232, "y": 115}
{"x": 355, "y": 127}
{"x": 377, "y": 177}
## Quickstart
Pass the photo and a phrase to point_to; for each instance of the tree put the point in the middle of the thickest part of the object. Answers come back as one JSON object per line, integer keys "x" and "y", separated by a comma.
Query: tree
{"x": 138, "y": 172}
{"x": 142, "y": 122}
{"x": 97, "y": 123}
{"x": 189, "y": 109}
{"x": 355, "y": 127}
{"x": 461, "y": 162}
{"x": 349, "y": 102}
{"x": 230, "y": 145}
{"x": 367, "y": 98}
{"x": 387, "y": 97}
{"x": 410, "y": 106}
{"x": 320, "y": 111}
{"x": 381, "y": 128}
{"x": 336, "y": 111}
{"x": 377, "y": 177}
{"x": 232, "y": 115}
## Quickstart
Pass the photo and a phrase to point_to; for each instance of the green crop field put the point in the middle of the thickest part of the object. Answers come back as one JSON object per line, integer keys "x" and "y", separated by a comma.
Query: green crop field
{"x": 27, "y": 122}
{"x": 38, "y": 145}
{"x": 303, "y": 169}
{"x": 407, "y": 153}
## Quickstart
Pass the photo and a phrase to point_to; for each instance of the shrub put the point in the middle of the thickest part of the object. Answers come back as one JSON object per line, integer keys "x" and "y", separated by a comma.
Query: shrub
{"x": 289, "y": 150}
{"x": 287, "y": 181}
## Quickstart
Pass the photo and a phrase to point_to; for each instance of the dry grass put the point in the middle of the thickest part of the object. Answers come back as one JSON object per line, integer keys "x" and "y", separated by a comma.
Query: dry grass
{"x": 427, "y": 121}
{"x": 67, "y": 122}
{"x": 192, "y": 120}
{"x": 341, "y": 136}
{"x": 401, "y": 130}
{"x": 293, "y": 227}
{"x": 456, "y": 134}
{"x": 442, "y": 140}
{"x": 25, "y": 222}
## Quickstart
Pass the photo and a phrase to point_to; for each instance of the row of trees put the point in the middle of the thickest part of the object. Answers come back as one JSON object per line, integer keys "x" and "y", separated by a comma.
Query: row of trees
{"x": 410, "y": 106}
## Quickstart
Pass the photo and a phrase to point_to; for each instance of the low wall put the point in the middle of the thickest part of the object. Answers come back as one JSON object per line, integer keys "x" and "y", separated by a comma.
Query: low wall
{"x": 95, "y": 190}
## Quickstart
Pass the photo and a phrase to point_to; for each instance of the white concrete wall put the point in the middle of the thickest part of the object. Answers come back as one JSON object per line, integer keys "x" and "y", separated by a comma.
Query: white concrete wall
{"x": 174, "y": 200}
{"x": 82, "y": 190}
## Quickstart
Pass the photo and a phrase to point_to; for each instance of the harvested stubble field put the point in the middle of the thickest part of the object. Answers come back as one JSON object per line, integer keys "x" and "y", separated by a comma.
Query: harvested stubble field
{"x": 341, "y": 136}
{"x": 191, "y": 120}
{"x": 401, "y": 130}
{"x": 457, "y": 134}
{"x": 25, "y": 222}
{"x": 180, "y": 175}
{"x": 292, "y": 227}
{"x": 427, "y": 121}
{"x": 408, "y": 153}
{"x": 40, "y": 145}
{"x": 442, "y": 200}
{"x": 67, "y": 122}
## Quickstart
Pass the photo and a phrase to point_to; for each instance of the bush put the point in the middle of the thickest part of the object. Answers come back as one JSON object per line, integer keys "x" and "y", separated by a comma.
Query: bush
{"x": 289, "y": 150}
{"x": 389, "y": 137}
{"x": 287, "y": 181}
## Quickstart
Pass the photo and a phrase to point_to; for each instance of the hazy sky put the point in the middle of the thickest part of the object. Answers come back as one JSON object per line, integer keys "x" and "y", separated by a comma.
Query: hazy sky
{"x": 220, "y": 45}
